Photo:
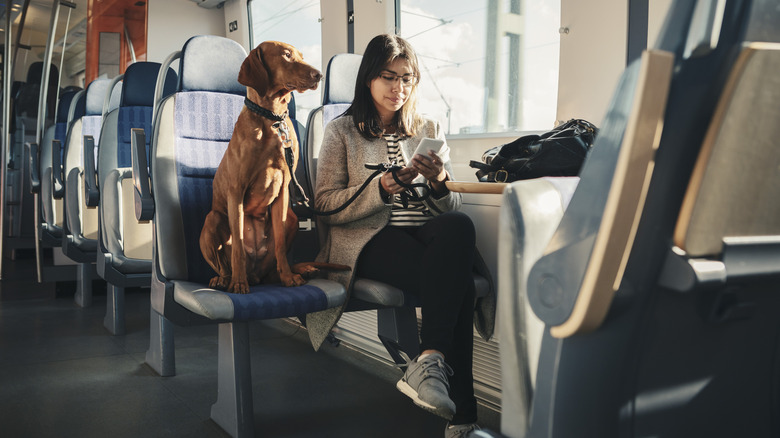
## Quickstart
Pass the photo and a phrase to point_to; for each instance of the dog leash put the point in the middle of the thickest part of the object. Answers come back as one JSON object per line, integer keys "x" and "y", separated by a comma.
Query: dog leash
{"x": 407, "y": 195}
{"x": 298, "y": 194}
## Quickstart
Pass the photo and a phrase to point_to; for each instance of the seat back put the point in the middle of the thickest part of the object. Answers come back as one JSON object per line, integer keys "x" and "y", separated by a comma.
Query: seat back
{"x": 120, "y": 234}
{"x": 654, "y": 365}
{"x": 82, "y": 220}
{"x": 52, "y": 204}
{"x": 193, "y": 128}
{"x": 338, "y": 92}
{"x": 717, "y": 206}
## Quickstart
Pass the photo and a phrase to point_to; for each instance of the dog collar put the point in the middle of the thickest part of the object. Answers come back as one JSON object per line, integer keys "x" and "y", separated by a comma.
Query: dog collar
{"x": 257, "y": 109}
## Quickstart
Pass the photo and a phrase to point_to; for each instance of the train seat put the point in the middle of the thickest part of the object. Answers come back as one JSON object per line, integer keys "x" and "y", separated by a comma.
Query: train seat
{"x": 193, "y": 129}
{"x": 52, "y": 188}
{"x": 24, "y": 120}
{"x": 124, "y": 252}
{"x": 396, "y": 310}
{"x": 80, "y": 243}
{"x": 615, "y": 310}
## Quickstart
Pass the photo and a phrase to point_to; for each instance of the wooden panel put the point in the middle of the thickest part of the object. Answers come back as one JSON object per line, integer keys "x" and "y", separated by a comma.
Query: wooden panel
{"x": 115, "y": 16}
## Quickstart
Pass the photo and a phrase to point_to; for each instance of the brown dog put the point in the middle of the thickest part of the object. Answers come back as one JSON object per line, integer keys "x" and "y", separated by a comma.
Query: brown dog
{"x": 246, "y": 235}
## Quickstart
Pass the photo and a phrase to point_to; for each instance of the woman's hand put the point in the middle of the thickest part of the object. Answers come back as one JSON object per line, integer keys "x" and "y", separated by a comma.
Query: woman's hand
{"x": 432, "y": 168}
{"x": 405, "y": 174}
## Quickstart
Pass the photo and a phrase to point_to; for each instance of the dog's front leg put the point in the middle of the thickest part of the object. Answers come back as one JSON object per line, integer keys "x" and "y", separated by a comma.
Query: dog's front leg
{"x": 238, "y": 281}
{"x": 279, "y": 223}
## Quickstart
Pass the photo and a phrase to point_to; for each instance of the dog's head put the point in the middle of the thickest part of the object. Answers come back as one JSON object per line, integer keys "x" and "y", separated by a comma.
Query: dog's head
{"x": 273, "y": 68}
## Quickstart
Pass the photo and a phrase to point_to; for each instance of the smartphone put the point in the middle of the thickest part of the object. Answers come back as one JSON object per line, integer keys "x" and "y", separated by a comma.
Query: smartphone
{"x": 432, "y": 144}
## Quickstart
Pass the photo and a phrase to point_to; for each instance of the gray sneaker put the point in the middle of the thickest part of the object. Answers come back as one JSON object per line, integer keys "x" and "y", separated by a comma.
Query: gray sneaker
{"x": 460, "y": 430}
{"x": 425, "y": 382}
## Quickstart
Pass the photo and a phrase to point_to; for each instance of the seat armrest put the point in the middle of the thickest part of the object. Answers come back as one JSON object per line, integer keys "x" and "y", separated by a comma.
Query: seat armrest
{"x": 91, "y": 193}
{"x": 58, "y": 189}
{"x": 144, "y": 204}
{"x": 35, "y": 179}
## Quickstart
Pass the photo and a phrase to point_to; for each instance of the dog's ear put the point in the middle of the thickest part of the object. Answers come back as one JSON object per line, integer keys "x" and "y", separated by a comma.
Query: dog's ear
{"x": 254, "y": 73}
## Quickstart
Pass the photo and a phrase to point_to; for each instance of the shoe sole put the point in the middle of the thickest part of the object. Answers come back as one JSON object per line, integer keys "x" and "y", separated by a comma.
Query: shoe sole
{"x": 412, "y": 394}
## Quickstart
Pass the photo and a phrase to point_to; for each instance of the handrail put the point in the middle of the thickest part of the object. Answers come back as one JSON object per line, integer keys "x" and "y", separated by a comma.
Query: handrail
{"x": 107, "y": 99}
{"x": 159, "y": 86}
{"x": 6, "y": 122}
{"x": 55, "y": 13}
{"x": 73, "y": 105}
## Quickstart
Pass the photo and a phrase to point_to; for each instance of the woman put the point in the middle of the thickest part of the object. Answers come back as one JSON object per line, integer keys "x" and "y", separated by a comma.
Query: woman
{"x": 424, "y": 247}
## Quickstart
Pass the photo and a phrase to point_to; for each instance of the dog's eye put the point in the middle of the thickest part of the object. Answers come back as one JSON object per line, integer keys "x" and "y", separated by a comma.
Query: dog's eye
{"x": 287, "y": 54}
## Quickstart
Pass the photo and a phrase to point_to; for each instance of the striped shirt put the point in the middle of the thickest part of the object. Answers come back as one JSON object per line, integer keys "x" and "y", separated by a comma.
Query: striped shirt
{"x": 416, "y": 213}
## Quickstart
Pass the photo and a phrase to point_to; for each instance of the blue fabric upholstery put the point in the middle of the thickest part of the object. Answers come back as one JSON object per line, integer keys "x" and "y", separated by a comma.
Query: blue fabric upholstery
{"x": 139, "y": 81}
{"x": 64, "y": 107}
{"x": 131, "y": 117}
{"x": 203, "y": 126}
{"x": 60, "y": 130}
{"x": 81, "y": 106}
{"x": 202, "y": 71}
{"x": 268, "y": 301}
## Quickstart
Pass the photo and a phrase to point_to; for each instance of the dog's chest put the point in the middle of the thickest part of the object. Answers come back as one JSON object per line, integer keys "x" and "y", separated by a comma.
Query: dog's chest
{"x": 264, "y": 190}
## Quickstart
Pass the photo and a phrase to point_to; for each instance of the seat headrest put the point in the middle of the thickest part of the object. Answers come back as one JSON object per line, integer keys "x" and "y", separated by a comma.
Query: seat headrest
{"x": 139, "y": 82}
{"x": 211, "y": 63}
{"x": 340, "y": 78}
{"x": 96, "y": 95}
{"x": 35, "y": 72}
{"x": 64, "y": 107}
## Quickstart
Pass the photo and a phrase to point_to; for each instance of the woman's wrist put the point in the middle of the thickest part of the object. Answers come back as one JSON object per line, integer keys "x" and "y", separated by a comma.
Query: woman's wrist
{"x": 439, "y": 188}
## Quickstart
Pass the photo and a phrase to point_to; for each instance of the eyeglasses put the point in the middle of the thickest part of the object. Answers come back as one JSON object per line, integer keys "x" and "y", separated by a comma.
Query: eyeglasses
{"x": 407, "y": 80}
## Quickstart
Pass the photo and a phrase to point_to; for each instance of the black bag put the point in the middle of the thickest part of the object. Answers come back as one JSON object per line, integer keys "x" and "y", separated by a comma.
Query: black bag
{"x": 559, "y": 152}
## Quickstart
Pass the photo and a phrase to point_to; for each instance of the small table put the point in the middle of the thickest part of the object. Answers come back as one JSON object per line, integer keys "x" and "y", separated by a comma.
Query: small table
{"x": 475, "y": 187}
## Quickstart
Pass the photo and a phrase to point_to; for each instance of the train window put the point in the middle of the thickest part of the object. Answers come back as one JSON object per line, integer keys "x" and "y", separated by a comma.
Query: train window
{"x": 296, "y": 22}
{"x": 487, "y": 65}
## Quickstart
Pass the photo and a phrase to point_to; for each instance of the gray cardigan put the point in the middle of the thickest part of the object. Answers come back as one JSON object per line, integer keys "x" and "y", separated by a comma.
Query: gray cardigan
{"x": 340, "y": 173}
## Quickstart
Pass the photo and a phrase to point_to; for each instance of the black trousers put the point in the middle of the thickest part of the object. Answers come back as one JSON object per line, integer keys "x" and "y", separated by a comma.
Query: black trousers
{"x": 434, "y": 262}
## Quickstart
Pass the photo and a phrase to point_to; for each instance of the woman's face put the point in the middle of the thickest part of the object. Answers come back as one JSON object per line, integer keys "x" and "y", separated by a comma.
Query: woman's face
{"x": 390, "y": 90}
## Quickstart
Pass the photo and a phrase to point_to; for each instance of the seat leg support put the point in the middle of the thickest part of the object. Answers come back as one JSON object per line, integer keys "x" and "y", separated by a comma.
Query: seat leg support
{"x": 161, "y": 355}
{"x": 234, "y": 410}
{"x": 397, "y": 329}
{"x": 84, "y": 276}
{"x": 115, "y": 310}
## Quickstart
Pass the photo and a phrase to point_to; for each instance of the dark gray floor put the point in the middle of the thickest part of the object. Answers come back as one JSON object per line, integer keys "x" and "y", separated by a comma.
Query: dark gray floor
{"x": 63, "y": 375}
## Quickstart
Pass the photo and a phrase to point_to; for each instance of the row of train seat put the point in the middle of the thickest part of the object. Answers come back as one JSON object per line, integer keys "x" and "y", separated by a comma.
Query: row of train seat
{"x": 192, "y": 129}
{"x": 24, "y": 122}
{"x": 174, "y": 141}
{"x": 639, "y": 299}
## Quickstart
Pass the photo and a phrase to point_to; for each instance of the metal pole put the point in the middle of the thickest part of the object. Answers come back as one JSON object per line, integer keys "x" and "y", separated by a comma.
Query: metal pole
{"x": 55, "y": 12}
{"x": 7, "y": 69}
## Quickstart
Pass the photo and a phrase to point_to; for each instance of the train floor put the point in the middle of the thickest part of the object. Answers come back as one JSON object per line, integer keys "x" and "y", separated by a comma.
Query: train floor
{"x": 63, "y": 375}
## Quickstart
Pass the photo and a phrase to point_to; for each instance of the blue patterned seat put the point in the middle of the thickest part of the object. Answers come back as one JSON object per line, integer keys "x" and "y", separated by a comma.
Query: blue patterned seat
{"x": 51, "y": 188}
{"x": 124, "y": 255}
{"x": 192, "y": 131}
{"x": 80, "y": 240}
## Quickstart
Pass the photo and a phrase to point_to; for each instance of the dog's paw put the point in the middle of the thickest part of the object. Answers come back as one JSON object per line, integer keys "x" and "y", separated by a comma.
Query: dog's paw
{"x": 293, "y": 280}
{"x": 238, "y": 287}
{"x": 220, "y": 283}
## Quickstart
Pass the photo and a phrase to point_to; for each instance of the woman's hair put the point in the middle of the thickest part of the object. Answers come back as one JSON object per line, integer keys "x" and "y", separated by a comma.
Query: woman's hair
{"x": 381, "y": 51}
